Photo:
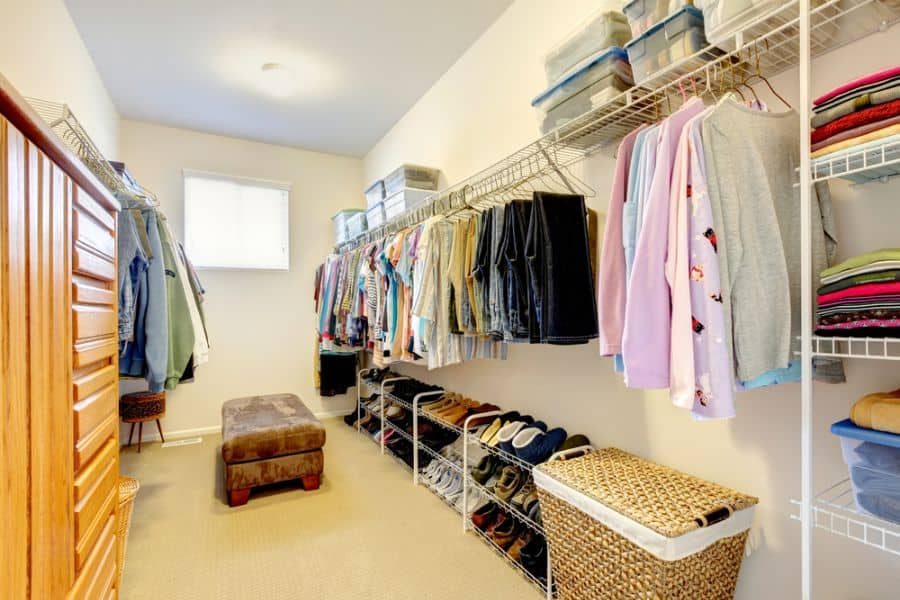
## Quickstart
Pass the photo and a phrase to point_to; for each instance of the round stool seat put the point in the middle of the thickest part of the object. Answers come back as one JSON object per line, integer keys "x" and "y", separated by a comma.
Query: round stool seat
{"x": 140, "y": 407}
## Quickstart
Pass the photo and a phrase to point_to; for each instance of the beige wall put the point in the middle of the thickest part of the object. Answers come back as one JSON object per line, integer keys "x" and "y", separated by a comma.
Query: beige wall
{"x": 479, "y": 112}
{"x": 261, "y": 323}
{"x": 42, "y": 54}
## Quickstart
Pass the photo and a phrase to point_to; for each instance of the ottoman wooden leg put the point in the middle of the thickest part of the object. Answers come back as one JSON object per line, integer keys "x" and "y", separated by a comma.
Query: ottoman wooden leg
{"x": 310, "y": 482}
{"x": 238, "y": 497}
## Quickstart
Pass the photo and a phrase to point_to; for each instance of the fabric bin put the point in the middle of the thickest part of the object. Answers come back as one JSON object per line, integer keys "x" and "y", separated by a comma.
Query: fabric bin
{"x": 873, "y": 460}
{"x": 411, "y": 176}
{"x": 677, "y": 37}
{"x": 341, "y": 222}
{"x": 404, "y": 200}
{"x": 619, "y": 526}
{"x": 642, "y": 15}
{"x": 375, "y": 216}
{"x": 603, "y": 30}
{"x": 375, "y": 193}
{"x": 723, "y": 18}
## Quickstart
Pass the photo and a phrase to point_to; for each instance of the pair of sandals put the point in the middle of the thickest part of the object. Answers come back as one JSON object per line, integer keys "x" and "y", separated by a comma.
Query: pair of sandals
{"x": 455, "y": 409}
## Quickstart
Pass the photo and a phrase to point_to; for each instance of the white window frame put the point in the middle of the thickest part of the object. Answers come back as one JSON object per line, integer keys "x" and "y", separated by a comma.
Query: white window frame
{"x": 251, "y": 181}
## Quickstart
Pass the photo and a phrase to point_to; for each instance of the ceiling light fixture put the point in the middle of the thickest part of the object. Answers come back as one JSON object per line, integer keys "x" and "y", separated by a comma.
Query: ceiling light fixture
{"x": 278, "y": 80}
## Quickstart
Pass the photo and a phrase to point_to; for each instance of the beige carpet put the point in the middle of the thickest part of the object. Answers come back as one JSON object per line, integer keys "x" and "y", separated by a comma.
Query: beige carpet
{"x": 367, "y": 533}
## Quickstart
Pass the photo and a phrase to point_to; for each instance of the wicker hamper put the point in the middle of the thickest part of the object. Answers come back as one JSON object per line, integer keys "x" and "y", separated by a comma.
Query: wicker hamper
{"x": 620, "y": 528}
{"x": 128, "y": 489}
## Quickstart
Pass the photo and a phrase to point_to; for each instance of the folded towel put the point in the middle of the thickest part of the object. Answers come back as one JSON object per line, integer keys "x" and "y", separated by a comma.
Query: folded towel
{"x": 880, "y": 412}
{"x": 847, "y": 107}
{"x": 851, "y": 119}
{"x": 860, "y": 81}
{"x": 862, "y": 260}
{"x": 858, "y": 140}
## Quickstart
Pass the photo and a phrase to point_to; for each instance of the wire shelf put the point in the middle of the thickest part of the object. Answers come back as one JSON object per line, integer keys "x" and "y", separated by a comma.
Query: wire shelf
{"x": 450, "y": 503}
{"x": 501, "y": 454}
{"x": 440, "y": 423}
{"x": 456, "y": 466}
{"x": 767, "y": 45}
{"x": 516, "y": 565}
{"x": 835, "y": 511}
{"x": 863, "y": 347}
{"x": 397, "y": 430}
{"x": 519, "y": 515}
{"x": 869, "y": 162}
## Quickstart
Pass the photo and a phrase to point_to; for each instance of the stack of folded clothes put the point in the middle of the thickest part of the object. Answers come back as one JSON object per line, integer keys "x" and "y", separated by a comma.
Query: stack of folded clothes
{"x": 859, "y": 115}
{"x": 880, "y": 412}
{"x": 861, "y": 296}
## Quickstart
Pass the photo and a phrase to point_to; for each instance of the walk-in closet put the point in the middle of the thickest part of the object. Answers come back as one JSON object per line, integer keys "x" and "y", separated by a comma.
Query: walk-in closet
{"x": 510, "y": 299}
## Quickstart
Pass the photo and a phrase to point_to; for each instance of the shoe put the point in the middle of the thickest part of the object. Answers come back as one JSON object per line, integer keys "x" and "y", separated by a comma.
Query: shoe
{"x": 533, "y": 556}
{"x": 503, "y": 517}
{"x": 491, "y": 430}
{"x": 530, "y": 501}
{"x": 505, "y": 534}
{"x": 506, "y": 435}
{"x": 394, "y": 412}
{"x": 485, "y": 468}
{"x": 485, "y": 516}
{"x": 535, "y": 514}
{"x": 475, "y": 410}
{"x": 534, "y": 447}
{"x": 518, "y": 501}
{"x": 515, "y": 550}
{"x": 575, "y": 441}
{"x": 511, "y": 479}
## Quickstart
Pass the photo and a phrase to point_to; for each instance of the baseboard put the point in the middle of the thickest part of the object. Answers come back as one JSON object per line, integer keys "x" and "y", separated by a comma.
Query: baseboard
{"x": 152, "y": 435}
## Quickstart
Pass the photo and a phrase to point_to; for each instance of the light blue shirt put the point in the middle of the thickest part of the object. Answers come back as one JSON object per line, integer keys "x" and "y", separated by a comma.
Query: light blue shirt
{"x": 638, "y": 185}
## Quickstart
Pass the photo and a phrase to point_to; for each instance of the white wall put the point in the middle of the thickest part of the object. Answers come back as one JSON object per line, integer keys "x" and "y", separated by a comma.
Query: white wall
{"x": 479, "y": 112}
{"x": 42, "y": 54}
{"x": 261, "y": 323}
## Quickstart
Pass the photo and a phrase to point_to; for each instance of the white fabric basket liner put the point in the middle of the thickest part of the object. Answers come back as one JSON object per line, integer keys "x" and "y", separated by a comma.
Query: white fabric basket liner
{"x": 660, "y": 546}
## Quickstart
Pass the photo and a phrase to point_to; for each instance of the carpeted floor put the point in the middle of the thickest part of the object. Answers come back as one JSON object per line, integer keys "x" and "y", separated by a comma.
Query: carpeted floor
{"x": 367, "y": 533}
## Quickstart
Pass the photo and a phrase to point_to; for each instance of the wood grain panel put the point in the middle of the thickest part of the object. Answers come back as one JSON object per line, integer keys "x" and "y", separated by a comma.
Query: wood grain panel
{"x": 87, "y": 509}
{"x": 88, "y": 477}
{"x": 86, "y": 447}
{"x": 90, "y": 233}
{"x": 14, "y": 396}
{"x": 94, "y": 566}
{"x": 92, "y": 322}
{"x": 89, "y": 540}
{"x": 86, "y": 203}
{"x": 91, "y": 412}
{"x": 88, "y": 353}
{"x": 90, "y": 293}
{"x": 92, "y": 381}
{"x": 87, "y": 263}
{"x": 49, "y": 195}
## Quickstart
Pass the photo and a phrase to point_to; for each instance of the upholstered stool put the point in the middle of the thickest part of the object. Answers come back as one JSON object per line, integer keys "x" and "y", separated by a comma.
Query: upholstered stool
{"x": 140, "y": 407}
{"x": 268, "y": 439}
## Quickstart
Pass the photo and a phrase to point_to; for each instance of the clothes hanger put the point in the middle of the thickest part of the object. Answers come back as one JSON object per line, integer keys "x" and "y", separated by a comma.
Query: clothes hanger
{"x": 762, "y": 78}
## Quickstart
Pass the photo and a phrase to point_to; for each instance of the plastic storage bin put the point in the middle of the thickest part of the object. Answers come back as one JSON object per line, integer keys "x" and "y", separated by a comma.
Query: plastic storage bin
{"x": 411, "y": 176}
{"x": 341, "y": 222}
{"x": 375, "y": 216}
{"x": 658, "y": 533}
{"x": 724, "y": 17}
{"x": 356, "y": 224}
{"x": 583, "y": 102}
{"x": 601, "y": 31}
{"x": 644, "y": 14}
{"x": 404, "y": 200}
{"x": 666, "y": 43}
{"x": 873, "y": 458}
{"x": 375, "y": 193}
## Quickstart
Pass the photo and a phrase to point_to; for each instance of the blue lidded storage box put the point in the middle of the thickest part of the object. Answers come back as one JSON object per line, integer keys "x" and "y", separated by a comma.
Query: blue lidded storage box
{"x": 873, "y": 458}
{"x": 677, "y": 37}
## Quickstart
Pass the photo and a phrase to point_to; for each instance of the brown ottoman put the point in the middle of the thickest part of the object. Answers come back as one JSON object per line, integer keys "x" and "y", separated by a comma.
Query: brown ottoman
{"x": 267, "y": 439}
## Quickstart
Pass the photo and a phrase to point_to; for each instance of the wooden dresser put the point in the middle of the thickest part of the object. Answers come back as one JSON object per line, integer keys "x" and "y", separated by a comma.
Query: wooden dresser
{"x": 59, "y": 450}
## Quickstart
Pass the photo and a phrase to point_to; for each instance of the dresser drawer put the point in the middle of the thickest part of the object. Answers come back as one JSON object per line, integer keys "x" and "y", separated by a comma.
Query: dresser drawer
{"x": 90, "y": 233}
{"x": 91, "y": 474}
{"x": 91, "y": 382}
{"x": 88, "y": 446}
{"x": 101, "y": 560}
{"x": 89, "y": 507}
{"x": 89, "y": 540}
{"x": 88, "y": 353}
{"x": 88, "y": 292}
{"x": 93, "y": 322}
{"x": 93, "y": 410}
{"x": 87, "y": 263}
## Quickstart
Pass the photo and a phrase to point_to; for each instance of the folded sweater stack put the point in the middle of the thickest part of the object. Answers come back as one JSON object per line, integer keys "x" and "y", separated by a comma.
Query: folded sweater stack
{"x": 863, "y": 111}
{"x": 861, "y": 296}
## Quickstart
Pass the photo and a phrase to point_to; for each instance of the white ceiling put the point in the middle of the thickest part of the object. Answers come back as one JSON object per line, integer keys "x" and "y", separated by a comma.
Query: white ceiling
{"x": 359, "y": 65}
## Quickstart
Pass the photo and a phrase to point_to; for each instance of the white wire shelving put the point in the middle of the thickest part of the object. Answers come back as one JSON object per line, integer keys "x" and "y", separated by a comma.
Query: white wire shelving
{"x": 835, "y": 511}
{"x": 861, "y": 347}
{"x": 507, "y": 506}
{"x": 870, "y": 162}
{"x": 766, "y": 46}
{"x": 537, "y": 583}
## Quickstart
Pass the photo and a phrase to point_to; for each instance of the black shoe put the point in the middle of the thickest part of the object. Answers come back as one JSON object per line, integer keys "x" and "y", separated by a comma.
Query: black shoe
{"x": 534, "y": 557}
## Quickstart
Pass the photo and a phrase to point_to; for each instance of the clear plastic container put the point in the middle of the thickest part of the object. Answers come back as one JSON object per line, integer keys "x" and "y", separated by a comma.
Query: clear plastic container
{"x": 722, "y": 18}
{"x": 341, "y": 222}
{"x": 644, "y": 14}
{"x": 601, "y": 31}
{"x": 375, "y": 216}
{"x": 404, "y": 200}
{"x": 411, "y": 176}
{"x": 873, "y": 459}
{"x": 583, "y": 102}
{"x": 375, "y": 193}
{"x": 356, "y": 224}
{"x": 596, "y": 73}
{"x": 666, "y": 43}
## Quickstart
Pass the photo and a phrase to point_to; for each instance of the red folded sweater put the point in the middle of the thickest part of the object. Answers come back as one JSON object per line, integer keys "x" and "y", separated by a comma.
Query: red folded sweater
{"x": 869, "y": 290}
{"x": 855, "y": 119}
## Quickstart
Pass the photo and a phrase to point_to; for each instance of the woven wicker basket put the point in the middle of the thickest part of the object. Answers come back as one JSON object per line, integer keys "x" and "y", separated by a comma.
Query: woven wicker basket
{"x": 591, "y": 561}
{"x": 128, "y": 489}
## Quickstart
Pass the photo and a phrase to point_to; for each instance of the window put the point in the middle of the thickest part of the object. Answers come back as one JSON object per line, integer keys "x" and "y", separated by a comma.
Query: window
{"x": 236, "y": 223}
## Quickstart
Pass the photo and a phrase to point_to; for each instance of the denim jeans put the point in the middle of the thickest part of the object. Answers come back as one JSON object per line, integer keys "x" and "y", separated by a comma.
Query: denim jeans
{"x": 514, "y": 269}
